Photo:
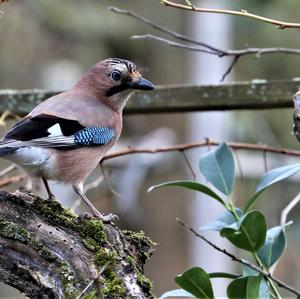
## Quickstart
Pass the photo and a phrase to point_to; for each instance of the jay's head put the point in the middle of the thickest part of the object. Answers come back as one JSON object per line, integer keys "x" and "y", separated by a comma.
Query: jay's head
{"x": 122, "y": 75}
{"x": 109, "y": 78}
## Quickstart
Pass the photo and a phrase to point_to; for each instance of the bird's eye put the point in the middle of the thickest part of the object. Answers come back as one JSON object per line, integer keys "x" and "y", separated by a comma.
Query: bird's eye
{"x": 116, "y": 75}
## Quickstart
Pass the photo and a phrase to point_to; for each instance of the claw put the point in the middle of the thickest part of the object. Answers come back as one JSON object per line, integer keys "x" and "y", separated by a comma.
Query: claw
{"x": 107, "y": 218}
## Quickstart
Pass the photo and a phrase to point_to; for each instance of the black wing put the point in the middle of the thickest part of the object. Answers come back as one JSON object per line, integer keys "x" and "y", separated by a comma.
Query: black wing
{"x": 39, "y": 126}
{"x": 54, "y": 132}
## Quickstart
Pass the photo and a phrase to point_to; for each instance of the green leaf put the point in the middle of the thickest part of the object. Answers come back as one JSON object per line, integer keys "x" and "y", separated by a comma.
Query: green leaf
{"x": 176, "y": 293}
{"x": 264, "y": 292}
{"x": 248, "y": 233}
{"x": 192, "y": 186}
{"x": 276, "y": 175}
{"x": 225, "y": 219}
{"x": 247, "y": 271}
{"x": 271, "y": 177}
{"x": 263, "y": 287}
{"x": 223, "y": 275}
{"x": 218, "y": 168}
{"x": 196, "y": 281}
{"x": 246, "y": 288}
{"x": 274, "y": 246}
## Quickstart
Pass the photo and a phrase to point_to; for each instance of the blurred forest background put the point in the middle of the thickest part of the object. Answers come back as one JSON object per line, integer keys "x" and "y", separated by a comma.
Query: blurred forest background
{"x": 49, "y": 44}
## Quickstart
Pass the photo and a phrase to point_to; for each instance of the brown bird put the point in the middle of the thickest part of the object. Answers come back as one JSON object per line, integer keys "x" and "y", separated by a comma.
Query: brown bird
{"x": 65, "y": 137}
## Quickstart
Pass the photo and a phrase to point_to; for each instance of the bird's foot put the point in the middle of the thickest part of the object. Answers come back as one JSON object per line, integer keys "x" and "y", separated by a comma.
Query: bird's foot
{"x": 106, "y": 218}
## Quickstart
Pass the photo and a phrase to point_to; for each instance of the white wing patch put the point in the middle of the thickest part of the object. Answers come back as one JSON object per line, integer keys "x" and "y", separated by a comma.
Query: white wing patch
{"x": 55, "y": 130}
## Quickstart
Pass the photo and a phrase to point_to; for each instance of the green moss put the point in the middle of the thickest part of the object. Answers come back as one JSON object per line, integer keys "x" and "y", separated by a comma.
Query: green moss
{"x": 142, "y": 280}
{"x": 131, "y": 262}
{"x": 93, "y": 236}
{"x": 113, "y": 286}
{"x": 91, "y": 231}
{"x": 54, "y": 212}
{"x": 145, "y": 283}
{"x": 90, "y": 295}
{"x": 67, "y": 278}
{"x": 105, "y": 257}
{"x": 143, "y": 243}
{"x": 14, "y": 231}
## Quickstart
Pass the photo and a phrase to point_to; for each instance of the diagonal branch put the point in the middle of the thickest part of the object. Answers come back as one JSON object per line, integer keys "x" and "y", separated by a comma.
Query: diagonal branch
{"x": 241, "y": 261}
{"x": 162, "y": 29}
{"x": 176, "y": 44}
{"x": 241, "y": 13}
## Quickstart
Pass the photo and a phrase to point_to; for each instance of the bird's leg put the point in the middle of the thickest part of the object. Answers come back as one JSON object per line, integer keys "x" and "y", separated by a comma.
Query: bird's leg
{"x": 107, "y": 218}
{"x": 50, "y": 194}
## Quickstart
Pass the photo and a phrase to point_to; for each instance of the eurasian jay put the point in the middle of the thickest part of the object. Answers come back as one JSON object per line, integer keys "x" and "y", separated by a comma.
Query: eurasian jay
{"x": 65, "y": 137}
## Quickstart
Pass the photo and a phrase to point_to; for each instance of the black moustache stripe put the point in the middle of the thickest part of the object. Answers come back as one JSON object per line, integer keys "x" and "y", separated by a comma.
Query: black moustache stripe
{"x": 117, "y": 89}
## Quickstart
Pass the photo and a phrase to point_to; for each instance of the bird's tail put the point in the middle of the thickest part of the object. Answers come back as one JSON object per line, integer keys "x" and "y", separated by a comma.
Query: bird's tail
{"x": 9, "y": 147}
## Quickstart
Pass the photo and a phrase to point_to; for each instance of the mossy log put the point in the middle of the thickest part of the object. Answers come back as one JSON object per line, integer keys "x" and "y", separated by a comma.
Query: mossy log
{"x": 47, "y": 252}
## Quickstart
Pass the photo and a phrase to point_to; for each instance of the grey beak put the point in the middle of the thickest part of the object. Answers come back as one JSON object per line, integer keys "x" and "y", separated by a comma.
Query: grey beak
{"x": 143, "y": 84}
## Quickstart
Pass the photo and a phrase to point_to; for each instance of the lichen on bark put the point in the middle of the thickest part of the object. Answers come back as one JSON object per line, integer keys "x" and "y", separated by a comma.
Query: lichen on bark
{"x": 47, "y": 252}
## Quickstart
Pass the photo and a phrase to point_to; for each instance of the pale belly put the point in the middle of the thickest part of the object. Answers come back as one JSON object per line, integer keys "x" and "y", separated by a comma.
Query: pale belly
{"x": 70, "y": 166}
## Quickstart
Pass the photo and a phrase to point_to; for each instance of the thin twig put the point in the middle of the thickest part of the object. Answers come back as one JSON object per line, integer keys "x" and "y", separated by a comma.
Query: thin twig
{"x": 241, "y": 13}
{"x": 241, "y": 261}
{"x": 7, "y": 114}
{"x": 12, "y": 180}
{"x": 190, "y": 167}
{"x": 230, "y": 67}
{"x": 265, "y": 158}
{"x": 93, "y": 184}
{"x": 222, "y": 52}
{"x": 94, "y": 281}
{"x": 163, "y": 29}
{"x": 85, "y": 289}
{"x": 111, "y": 188}
{"x": 187, "y": 146}
{"x": 285, "y": 212}
{"x": 201, "y": 46}
{"x": 7, "y": 170}
{"x": 175, "y": 44}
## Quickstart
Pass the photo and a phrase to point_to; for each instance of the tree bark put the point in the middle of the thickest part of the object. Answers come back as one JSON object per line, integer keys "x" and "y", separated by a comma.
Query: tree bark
{"x": 47, "y": 252}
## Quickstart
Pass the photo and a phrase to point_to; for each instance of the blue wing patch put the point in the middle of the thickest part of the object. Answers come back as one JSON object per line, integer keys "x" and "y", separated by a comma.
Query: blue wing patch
{"x": 94, "y": 136}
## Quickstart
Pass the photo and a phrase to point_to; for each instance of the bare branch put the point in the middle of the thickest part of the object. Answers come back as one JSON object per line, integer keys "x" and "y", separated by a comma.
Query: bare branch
{"x": 175, "y": 44}
{"x": 7, "y": 170}
{"x": 189, "y": 165}
{"x": 220, "y": 52}
{"x": 241, "y": 13}
{"x": 200, "y": 46}
{"x": 187, "y": 146}
{"x": 231, "y": 66}
{"x": 162, "y": 29}
{"x": 266, "y": 274}
{"x": 107, "y": 181}
{"x": 12, "y": 180}
{"x": 178, "y": 147}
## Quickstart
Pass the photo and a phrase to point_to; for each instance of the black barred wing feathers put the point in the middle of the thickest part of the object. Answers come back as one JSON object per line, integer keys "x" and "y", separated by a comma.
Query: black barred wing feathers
{"x": 54, "y": 132}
